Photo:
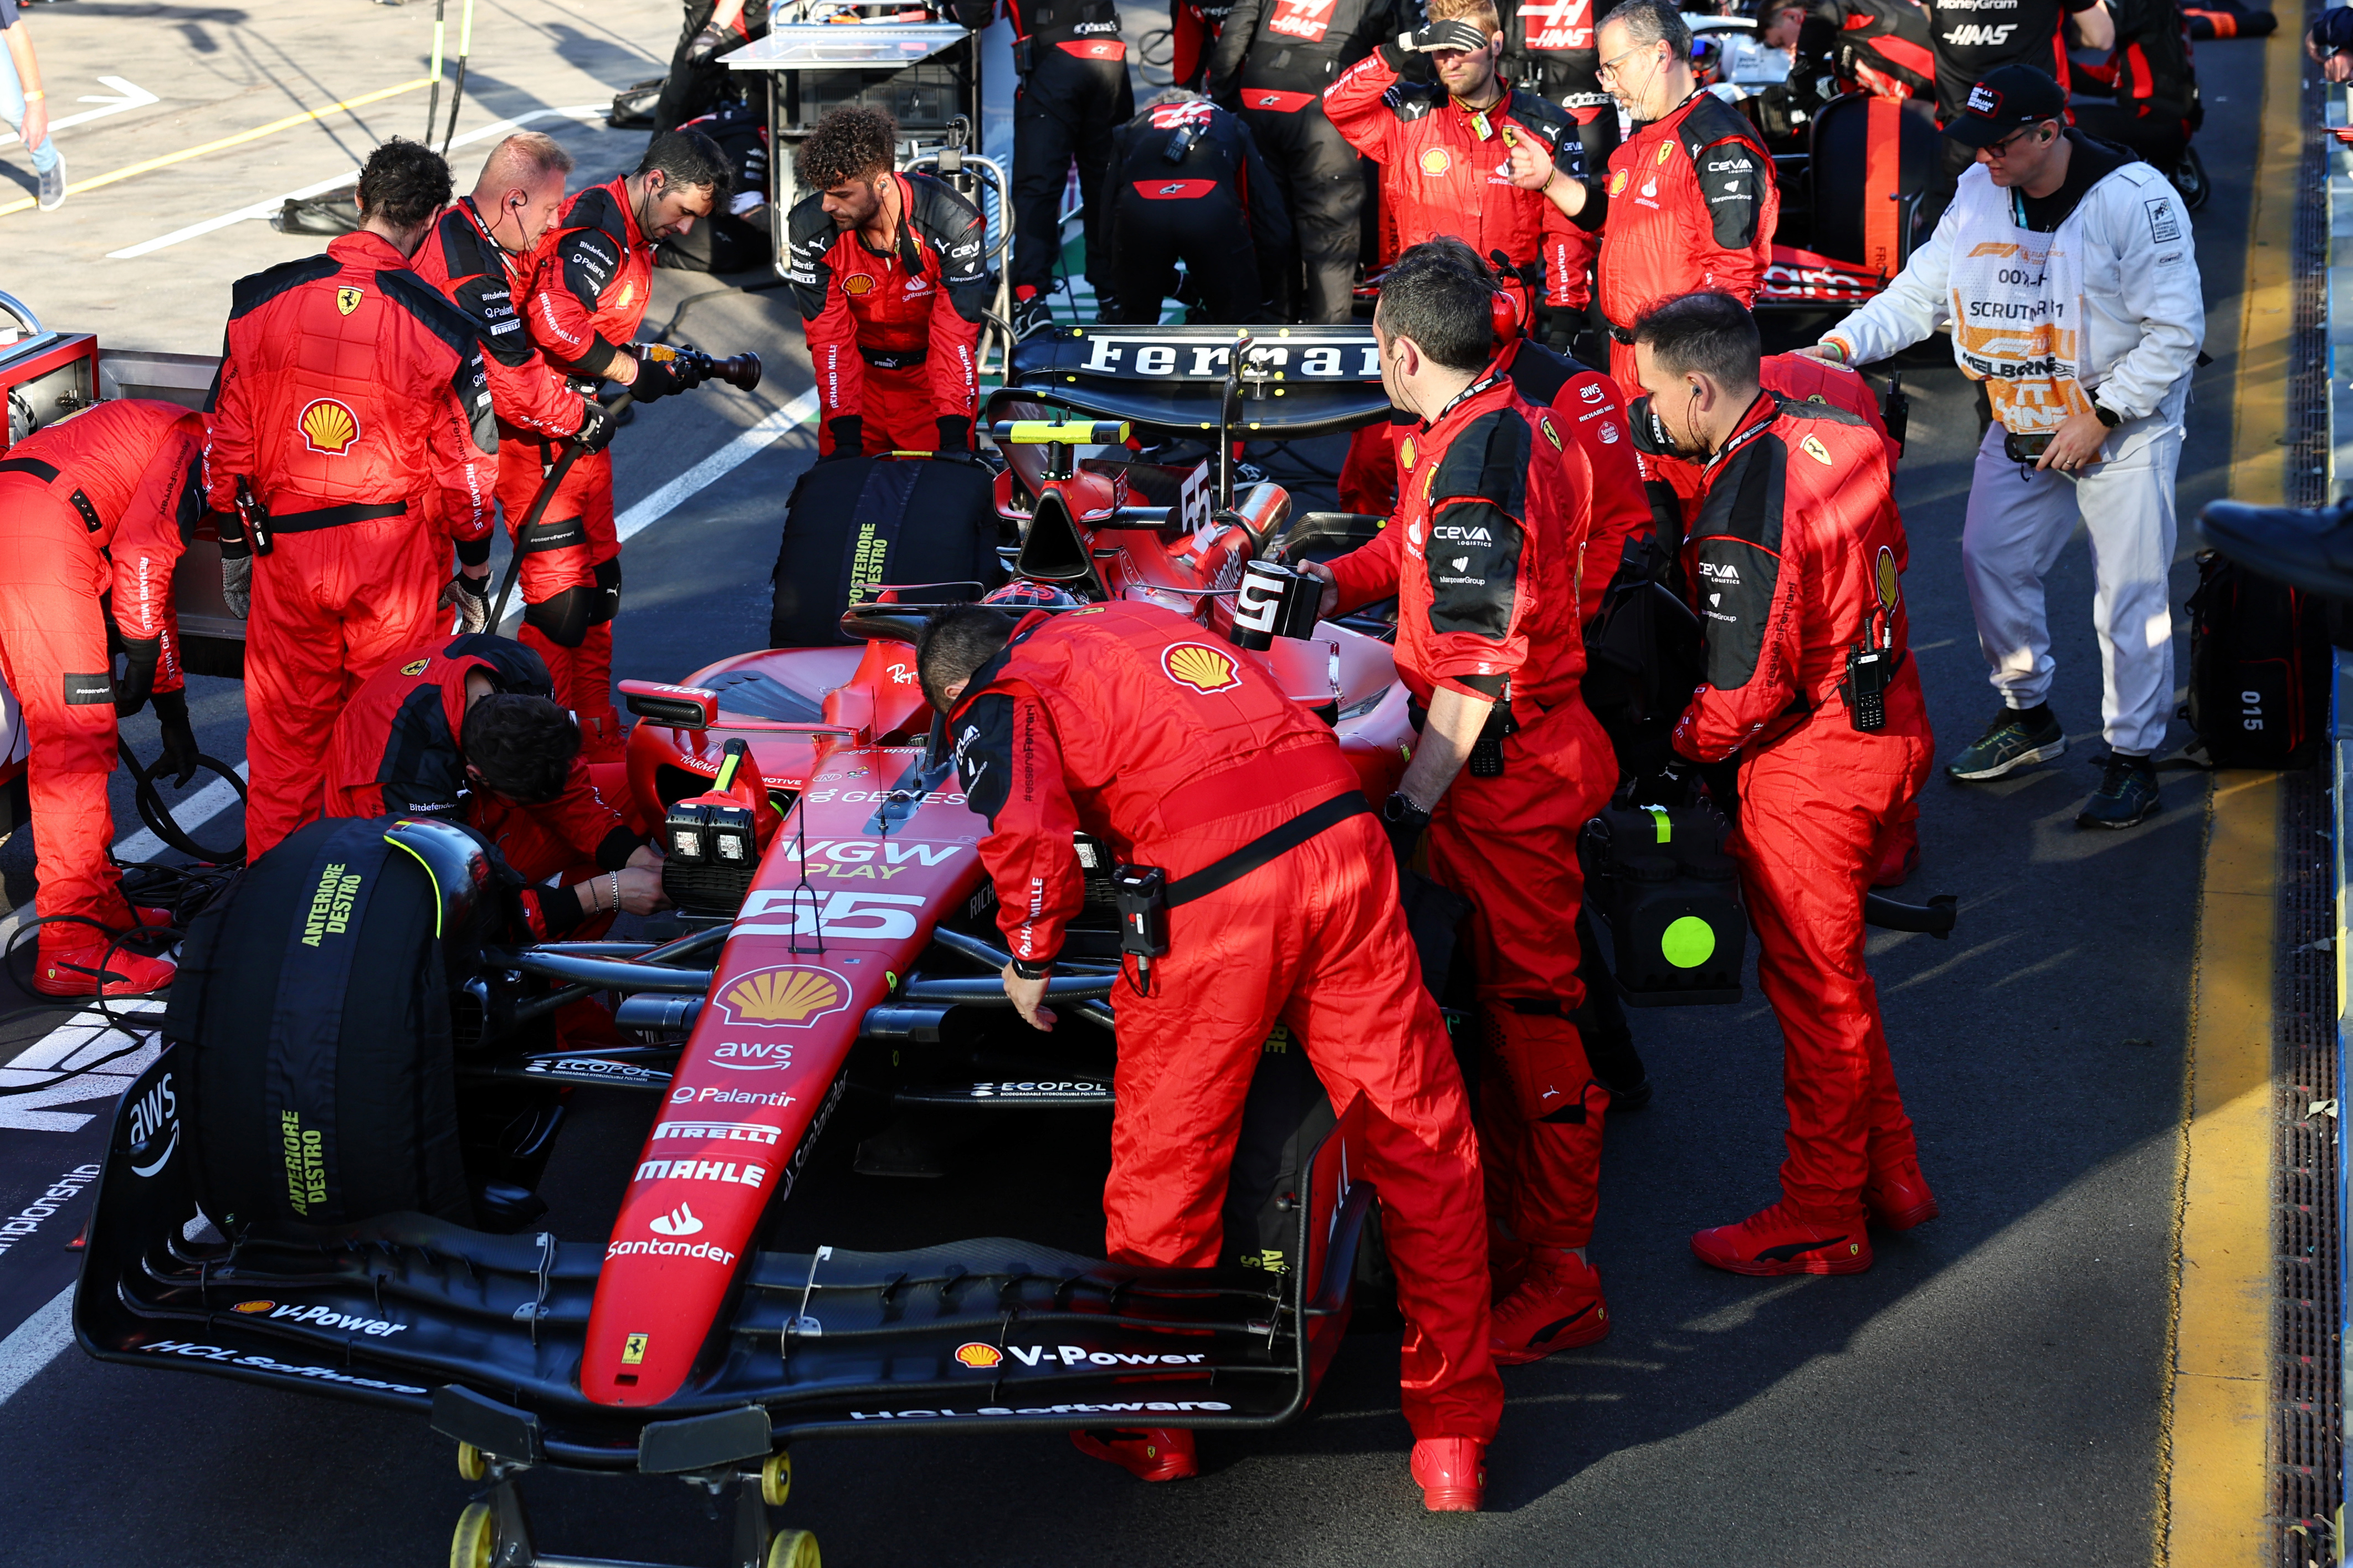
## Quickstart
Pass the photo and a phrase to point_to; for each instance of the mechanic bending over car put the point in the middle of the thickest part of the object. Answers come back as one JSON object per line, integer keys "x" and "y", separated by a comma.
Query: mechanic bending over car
{"x": 1688, "y": 201}
{"x": 589, "y": 294}
{"x": 352, "y": 441}
{"x": 103, "y": 502}
{"x": 1795, "y": 561}
{"x": 1122, "y": 721}
{"x": 462, "y": 728}
{"x": 2088, "y": 423}
{"x": 1481, "y": 557}
{"x": 1188, "y": 185}
{"x": 890, "y": 274}
{"x": 482, "y": 255}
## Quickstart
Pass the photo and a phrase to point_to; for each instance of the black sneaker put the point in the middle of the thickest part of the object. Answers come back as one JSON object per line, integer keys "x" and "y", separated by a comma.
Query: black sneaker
{"x": 2127, "y": 794}
{"x": 1031, "y": 316}
{"x": 2010, "y": 743}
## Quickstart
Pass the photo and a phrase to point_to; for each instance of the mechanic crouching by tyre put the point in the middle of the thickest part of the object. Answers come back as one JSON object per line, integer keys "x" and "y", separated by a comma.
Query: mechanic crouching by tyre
{"x": 462, "y": 728}
{"x": 588, "y": 298}
{"x": 1481, "y": 556}
{"x": 1124, "y": 721}
{"x": 351, "y": 442}
{"x": 1795, "y": 558}
{"x": 104, "y": 501}
{"x": 889, "y": 272}
{"x": 2069, "y": 271}
{"x": 1188, "y": 185}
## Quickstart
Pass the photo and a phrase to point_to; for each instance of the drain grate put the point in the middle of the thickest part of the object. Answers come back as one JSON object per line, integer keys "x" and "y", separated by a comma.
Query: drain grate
{"x": 2306, "y": 1398}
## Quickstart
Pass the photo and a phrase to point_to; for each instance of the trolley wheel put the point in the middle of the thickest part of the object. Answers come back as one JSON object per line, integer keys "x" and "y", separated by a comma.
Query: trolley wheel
{"x": 793, "y": 1549}
{"x": 476, "y": 1542}
{"x": 2190, "y": 179}
{"x": 777, "y": 1481}
{"x": 472, "y": 1464}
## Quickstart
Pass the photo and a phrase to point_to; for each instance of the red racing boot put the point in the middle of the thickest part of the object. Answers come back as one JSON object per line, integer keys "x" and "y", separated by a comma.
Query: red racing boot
{"x": 75, "y": 972}
{"x": 1898, "y": 1197}
{"x": 1557, "y": 1306}
{"x": 1452, "y": 1473}
{"x": 1782, "y": 1240}
{"x": 1149, "y": 1454}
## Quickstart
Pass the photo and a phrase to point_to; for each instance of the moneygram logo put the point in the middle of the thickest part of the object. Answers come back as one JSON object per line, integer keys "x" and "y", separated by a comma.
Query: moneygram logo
{"x": 793, "y": 994}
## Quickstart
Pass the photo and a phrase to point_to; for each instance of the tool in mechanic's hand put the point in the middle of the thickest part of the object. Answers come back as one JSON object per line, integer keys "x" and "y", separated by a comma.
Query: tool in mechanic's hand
{"x": 547, "y": 488}
{"x": 1140, "y": 894}
{"x": 1273, "y": 602}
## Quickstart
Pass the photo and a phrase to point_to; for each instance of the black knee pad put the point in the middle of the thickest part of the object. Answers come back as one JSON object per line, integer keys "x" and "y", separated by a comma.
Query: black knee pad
{"x": 606, "y": 593}
{"x": 563, "y": 620}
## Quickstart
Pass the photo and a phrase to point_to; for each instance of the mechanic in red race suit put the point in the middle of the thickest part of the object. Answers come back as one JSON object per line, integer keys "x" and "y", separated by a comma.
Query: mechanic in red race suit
{"x": 891, "y": 284}
{"x": 1550, "y": 49}
{"x": 1180, "y": 751}
{"x": 462, "y": 728}
{"x": 1795, "y": 561}
{"x": 1442, "y": 147}
{"x": 1272, "y": 62}
{"x": 481, "y": 254}
{"x": 1688, "y": 201}
{"x": 1482, "y": 558}
{"x": 1878, "y": 46}
{"x": 1188, "y": 185}
{"x": 594, "y": 277}
{"x": 353, "y": 416}
{"x": 101, "y": 503}
{"x": 1074, "y": 89}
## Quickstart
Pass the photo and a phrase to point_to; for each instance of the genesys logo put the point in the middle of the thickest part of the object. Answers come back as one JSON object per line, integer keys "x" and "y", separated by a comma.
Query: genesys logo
{"x": 319, "y": 1318}
{"x": 980, "y": 1356}
{"x": 276, "y": 1368}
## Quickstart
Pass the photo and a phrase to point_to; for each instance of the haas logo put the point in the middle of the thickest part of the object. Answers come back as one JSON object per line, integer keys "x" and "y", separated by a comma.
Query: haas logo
{"x": 680, "y": 1221}
{"x": 1559, "y": 24}
{"x": 328, "y": 427}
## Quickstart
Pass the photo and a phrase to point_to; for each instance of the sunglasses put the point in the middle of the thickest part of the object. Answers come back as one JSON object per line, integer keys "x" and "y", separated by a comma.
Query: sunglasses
{"x": 2001, "y": 148}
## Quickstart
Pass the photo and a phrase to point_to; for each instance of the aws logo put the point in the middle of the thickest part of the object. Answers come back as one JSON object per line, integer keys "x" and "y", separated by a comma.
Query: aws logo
{"x": 1203, "y": 668}
{"x": 328, "y": 427}
{"x": 793, "y": 994}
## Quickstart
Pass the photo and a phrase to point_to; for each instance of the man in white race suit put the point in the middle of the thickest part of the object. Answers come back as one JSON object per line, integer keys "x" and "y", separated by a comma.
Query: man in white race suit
{"x": 2067, "y": 270}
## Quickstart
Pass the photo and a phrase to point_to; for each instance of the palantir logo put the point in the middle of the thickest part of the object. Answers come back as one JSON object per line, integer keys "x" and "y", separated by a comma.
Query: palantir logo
{"x": 680, "y": 1221}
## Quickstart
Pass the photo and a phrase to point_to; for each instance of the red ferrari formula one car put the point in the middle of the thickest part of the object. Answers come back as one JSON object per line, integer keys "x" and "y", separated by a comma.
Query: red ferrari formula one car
{"x": 838, "y": 940}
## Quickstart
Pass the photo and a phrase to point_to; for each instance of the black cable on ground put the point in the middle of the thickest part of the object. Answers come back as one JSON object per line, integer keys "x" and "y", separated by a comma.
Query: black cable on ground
{"x": 157, "y": 815}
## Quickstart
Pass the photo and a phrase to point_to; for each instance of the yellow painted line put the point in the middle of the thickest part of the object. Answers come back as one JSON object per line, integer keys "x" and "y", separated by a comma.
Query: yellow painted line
{"x": 275, "y": 126}
{"x": 2214, "y": 1460}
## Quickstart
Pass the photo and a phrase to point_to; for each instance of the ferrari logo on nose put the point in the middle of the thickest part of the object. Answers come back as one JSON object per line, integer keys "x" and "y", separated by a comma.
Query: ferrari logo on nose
{"x": 347, "y": 298}
{"x": 633, "y": 1350}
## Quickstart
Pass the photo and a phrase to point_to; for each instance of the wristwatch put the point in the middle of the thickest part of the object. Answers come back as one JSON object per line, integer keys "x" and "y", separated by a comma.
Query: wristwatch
{"x": 2107, "y": 416}
{"x": 1024, "y": 969}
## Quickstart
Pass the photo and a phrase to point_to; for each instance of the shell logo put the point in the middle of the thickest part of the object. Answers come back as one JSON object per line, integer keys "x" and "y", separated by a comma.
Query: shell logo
{"x": 980, "y": 1357}
{"x": 1618, "y": 182}
{"x": 1886, "y": 577}
{"x": 1436, "y": 162}
{"x": 793, "y": 994}
{"x": 1406, "y": 453}
{"x": 857, "y": 283}
{"x": 327, "y": 426}
{"x": 1205, "y": 669}
{"x": 253, "y": 1309}
{"x": 1813, "y": 447}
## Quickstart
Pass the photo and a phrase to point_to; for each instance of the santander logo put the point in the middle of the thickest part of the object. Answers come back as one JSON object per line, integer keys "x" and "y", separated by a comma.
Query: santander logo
{"x": 680, "y": 1221}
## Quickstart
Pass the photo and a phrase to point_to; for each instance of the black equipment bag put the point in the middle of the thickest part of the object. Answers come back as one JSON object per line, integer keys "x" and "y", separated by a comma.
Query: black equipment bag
{"x": 1642, "y": 660}
{"x": 2258, "y": 669}
{"x": 855, "y": 522}
{"x": 313, "y": 1004}
{"x": 1661, "y": 877}
{"x": 633, "y": 106}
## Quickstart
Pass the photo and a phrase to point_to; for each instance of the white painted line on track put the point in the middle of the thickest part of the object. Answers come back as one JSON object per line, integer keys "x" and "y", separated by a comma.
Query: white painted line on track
{"x": 131, "y": 96}
{"x": 262, "y": 210}
{"x": 38, "y": 1342}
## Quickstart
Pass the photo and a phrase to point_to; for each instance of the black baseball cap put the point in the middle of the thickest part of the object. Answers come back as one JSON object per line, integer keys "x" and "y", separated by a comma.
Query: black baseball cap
{"x": 2005, "y": 101}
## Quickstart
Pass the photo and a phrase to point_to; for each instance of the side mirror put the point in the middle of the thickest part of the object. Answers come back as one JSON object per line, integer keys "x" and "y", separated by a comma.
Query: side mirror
{"x": 683, "y": 707}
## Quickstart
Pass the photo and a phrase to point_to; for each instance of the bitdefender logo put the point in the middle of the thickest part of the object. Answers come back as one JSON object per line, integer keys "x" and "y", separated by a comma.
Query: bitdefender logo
{"x": 680, "y": 1221}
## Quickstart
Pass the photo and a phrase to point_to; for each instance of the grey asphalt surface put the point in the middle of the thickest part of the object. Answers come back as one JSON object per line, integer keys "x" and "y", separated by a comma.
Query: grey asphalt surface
{"x": 1987, "y": 1393}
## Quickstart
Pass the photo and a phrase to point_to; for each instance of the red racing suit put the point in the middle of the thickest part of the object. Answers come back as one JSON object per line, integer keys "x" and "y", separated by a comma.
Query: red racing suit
{"x": 1483, "y": 557}
{"x": 1445, "y": 170}
{"x": 594, "y": 273}
{"x": 1122, "y": 721}
{"x": 396, "y": 751}
{"x": 1690, "y": 203}
{"x": 895, "y": 335}
{"x": 1797, "y": 555}
{"x": 1585, "y": 404}
{"x": 104, "y": 501}
{"x": 484, "y": 278}
{"x": 351, "y": 401}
